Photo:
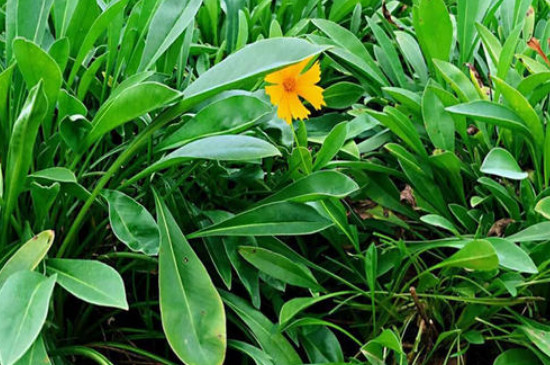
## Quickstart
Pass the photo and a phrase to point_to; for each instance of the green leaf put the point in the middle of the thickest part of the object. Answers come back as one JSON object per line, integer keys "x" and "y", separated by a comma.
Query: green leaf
{"x": 35, "y": 65}
{"x": 280, "y": 267}
{"x": 230, "y": 115}
{"x": 538, "y": 337}
{"x": 36, "y": 355}
{"x": 171, "y": 18}
{"x": 496, "y": 114}
{"x": 24, "y": 302}
{"x": 342, "y": 95}
{"x": 431, "y": 17}
{"x": 439, "y": 123}
{"x": 128, "y": 104}
{"x": 290, "y": 309}
{"x": 91, "y": 281}
{"x": 21, "y": 146}
{"x": 220, "y": 148}
{"x": 317, "y": 186}
{"x": 475, "y": 255}
{"x": 517, "y": 356}
{"x": 191, "y": 309}
{"x": 59, "y": 174}
{"x": 523, "y": 109}
{"x": 268, "y": 336}
{"x": 28, "y": 256}
{"x": 132, "y": 223}
{"x": 251, "y": 62}
{"x": 500, "y": 162}
{"x": 512, "y": 256}
{"x": 100, "y": 24}
{"x": 27, "y": 19}
{"x": 536, "y": 232}
{"x": 331, "y": 145}
{"x": 468, "y": 14}
{"x": 351, "y": 50}
{"x": 277, "y": 219}
{"x": 543, "y": 207}
{"x": 458, "y": 81}
{"x": 439, "y": 221}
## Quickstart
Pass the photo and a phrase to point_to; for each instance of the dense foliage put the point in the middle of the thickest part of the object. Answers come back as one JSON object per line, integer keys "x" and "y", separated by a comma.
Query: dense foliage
{"x": 156, "y": 210}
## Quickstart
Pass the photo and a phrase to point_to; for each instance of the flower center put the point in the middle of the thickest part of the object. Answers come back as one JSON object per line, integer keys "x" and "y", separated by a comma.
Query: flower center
{"x": 289, "y": 84}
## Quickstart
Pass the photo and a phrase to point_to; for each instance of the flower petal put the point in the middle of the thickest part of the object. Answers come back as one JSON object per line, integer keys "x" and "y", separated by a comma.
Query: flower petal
{"x": 283, "y": 109}
{"x": 276, "y": 77}
{"x": 275, "y": 93}
{"x": 311, "y": 76}
{"x": 313, "y": 94}
{"x": 298, "y": 110}
{"x": 296, "y": 69}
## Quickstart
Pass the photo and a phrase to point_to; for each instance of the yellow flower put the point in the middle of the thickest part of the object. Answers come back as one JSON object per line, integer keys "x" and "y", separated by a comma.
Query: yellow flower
{"x": 291, "y": 83}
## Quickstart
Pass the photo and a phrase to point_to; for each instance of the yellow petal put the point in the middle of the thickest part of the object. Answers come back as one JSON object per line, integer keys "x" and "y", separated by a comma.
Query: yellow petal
{"x": 313, "y": 94}
{"x": 283, "y": 109}
{"x": 298, "y": 110}
{"x": 275, "y": 93}
{"x": 296, "y": 69}
{"x": 311, "y": 76}
{"x": 276, "y": 77}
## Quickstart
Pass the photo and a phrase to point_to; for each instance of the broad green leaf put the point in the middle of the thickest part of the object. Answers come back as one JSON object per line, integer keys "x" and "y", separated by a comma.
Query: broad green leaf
{"x": 279, "y": 267}
{"x": 251, "y": 62}
{"x": 59, "y": 174}
{"x": 503, "y": 196}
{"x": 523, "y": 109}
{"x": 265, "y": 332}
{"x": 35, "y": 65}
{"x": 475, "y": 255}
{"x": 27, "y": 19}
{"x": 24, "y": 303}
{"x": 127, "y": 105}
{"x": 431, "y": 17}
{"x": 100, "y": 24}
{"x": 538, "y": 337}
{"x": 516, "y": 356}
{"x": 412, "y": 53}
{"x": 458, "y": 81}
{"x": 486, "y": 111}
{"x": 290, "y": 309}
{"x": 192, "y": 313}
{"x": 321, "y": 345}
{"x": 439, "y": 221}
{"x": 468, "y": 14}
{"x": 439, "y": 123}
{"x": 512, "y": 256}
{"x": 317, "y": 186}
{"x": 21, "y": 146}
{"x": 132, "y": 223}
{"x": 331, "y": 146}
{"x": 543, "y": 207}
{"x": 259, "y": 356}
{"x": 92, "y": 281}
{"x": 220, "y": 148}
{"x": 277, "y": 219}
{"x": 350, "y": 49}
{"x": 536, "y": 232}
{"x": 230, "y": 115}
{"x": 168, "y": 23}
{"x": 83, "y": 16}
{"x": 387, "y": 54}
{"x": 500, "y": 162}
{"x": 342, "y": 95}
{"x": 36, "y": 355}
{"x": 28, "y": 256}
